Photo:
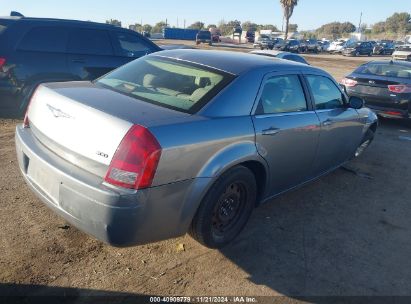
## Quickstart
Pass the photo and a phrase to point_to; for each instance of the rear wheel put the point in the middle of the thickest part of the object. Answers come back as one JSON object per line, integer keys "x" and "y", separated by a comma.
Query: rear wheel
{"x": 365, "y": 143}
{"x": 357, "y": 54}
{"x": 225, "y": 209}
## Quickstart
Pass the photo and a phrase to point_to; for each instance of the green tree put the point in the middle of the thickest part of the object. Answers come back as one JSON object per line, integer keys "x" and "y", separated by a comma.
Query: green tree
{"x": 250, "y": 26}
{"x": 211, "y": 26}
{"x": 147, "y": 28}
{"x": 114, "y": 22}
{"x": 288, "y": 10}
{"x": 158, "y": 28}
{"x": 197, "y": 25}
{"x": 378, "y": 28}
{"x": 293, "y": 27}
{"x": 268, "y": 27}
{"x": 336, "y": 29}
{"x": 398, "y": 23}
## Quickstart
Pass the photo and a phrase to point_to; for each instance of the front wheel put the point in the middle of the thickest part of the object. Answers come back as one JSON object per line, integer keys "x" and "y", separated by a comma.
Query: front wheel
{"x": 225, "y": 209}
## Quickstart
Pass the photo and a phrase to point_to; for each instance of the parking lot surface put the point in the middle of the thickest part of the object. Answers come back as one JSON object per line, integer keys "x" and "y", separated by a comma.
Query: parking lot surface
{"x": 347, "y": 233}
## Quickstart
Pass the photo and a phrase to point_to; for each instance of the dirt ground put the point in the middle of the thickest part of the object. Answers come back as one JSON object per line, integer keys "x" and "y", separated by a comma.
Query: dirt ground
{"x": 348, "y": 233}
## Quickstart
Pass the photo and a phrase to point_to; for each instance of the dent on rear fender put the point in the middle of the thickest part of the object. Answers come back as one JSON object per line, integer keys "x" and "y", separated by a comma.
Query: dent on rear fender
{"x": 229, "y": 157}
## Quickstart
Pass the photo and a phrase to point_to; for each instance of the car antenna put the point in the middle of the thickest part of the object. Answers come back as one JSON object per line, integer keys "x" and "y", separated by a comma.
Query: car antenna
{"x": 16, "y": 14}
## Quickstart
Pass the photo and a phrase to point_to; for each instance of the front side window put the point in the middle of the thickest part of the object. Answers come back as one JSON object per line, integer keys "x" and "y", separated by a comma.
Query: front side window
{"x": 130, "y": 44}
{"x": 90, "y": 42}
{"x": 282, "y": 94}
{"x": 325, "y": 92}
{"x": 45, "y": 39}
{"x": 169, "y": 83}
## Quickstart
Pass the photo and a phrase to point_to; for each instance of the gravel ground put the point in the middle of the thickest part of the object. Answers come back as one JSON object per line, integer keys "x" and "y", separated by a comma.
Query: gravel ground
{"x": 347, "y": 233}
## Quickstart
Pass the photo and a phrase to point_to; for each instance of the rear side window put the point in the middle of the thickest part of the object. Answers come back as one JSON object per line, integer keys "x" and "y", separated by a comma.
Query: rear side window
{"x": 325, "y": 92}
{"x": 282, "y": 94}
{"x": 387, "y": 70}
{"x": 295, "y": 58}
{"x": 45, "y": 39}
{"x": 90, "y": 42}
{"x": 131, "y": 45}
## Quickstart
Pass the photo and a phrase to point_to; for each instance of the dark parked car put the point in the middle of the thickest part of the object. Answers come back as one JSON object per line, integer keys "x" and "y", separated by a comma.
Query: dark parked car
{"x": 185, "y": 140}
{"x": 38, "y": 50}
{"x": 264, "y": 42}
{"x": 281, "y": 55}
{"x": 310, "y": 45}
{"x": 204, "y": 37}
{"x": 358, "y": 48}
{"x": 293, "y": 46}
{"x": 384, "y": 48}
{"x": 250, "y": 36}
{"x": 384, "y": 85}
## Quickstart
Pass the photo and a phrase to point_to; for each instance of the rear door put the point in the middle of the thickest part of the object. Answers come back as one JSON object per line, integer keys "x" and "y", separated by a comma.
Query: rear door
{"x": 287, "y": 130}
{"x": 91, "y": 53}
{"x": 341, "y": 128}
{"x": 39, "y": 57}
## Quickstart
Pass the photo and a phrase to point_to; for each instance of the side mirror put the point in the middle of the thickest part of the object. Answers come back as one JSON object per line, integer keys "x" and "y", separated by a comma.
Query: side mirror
{"x": 356, "y": 103}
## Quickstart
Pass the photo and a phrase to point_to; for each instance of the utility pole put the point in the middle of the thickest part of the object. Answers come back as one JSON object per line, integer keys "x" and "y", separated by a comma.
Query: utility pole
{"x": 184, "y": 23}
{"x": 359, "y": 26}
{"x": 177, "y": 22}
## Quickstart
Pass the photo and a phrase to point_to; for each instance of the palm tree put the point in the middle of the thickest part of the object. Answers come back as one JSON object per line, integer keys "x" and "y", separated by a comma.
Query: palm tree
{"x": 288, "y": 8}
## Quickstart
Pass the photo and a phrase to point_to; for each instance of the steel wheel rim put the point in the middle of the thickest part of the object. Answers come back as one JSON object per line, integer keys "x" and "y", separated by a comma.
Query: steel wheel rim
{"x": 229, "y": 207}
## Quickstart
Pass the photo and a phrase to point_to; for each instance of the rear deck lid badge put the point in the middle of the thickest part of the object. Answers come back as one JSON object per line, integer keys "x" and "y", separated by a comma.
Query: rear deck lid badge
{"x": 58, "y": 113}
{"x": 371, "y": 82}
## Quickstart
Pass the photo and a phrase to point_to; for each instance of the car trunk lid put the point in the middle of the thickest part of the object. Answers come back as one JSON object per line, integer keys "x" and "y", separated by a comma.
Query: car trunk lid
{"x": 85, "y": 124}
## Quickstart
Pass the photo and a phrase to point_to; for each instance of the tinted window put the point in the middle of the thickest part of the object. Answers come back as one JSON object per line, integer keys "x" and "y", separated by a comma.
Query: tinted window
{"x": 325, "y": 92}
{"x": 295, "y": 58}
{"x": 130, "y": 44}
{"x": 387, "y": 70}
{"x": 90, "y": 42}
{"x": 45, "y": 39}
{"x": 169, "y": 83}
{"x": 282, "y": 94}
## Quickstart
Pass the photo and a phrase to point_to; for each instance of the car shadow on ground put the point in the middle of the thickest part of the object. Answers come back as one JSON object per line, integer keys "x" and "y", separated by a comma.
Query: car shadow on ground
{"x": 18, "y": 293}
{"x": 347, "y": 233}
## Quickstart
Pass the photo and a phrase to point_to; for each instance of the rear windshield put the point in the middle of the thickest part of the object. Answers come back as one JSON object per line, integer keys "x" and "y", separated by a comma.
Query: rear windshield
{"x": 169, "y": 83}
{"x": 386, "y": 69}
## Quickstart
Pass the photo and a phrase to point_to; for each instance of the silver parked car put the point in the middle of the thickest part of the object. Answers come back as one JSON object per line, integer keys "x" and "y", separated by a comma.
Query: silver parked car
{"x": 185, "y": 140}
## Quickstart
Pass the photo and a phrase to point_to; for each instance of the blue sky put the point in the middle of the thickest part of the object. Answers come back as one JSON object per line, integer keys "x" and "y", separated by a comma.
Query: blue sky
{"x": 309, "y": 14}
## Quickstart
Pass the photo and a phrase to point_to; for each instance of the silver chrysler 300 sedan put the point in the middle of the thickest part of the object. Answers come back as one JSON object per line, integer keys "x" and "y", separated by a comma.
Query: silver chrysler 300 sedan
{"x": 185, "y": 140}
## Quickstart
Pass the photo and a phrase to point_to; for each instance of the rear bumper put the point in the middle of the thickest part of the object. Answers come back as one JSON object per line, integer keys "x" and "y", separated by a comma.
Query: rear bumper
{"x": 390, "y": 112}
{"x": 115, "y": 216}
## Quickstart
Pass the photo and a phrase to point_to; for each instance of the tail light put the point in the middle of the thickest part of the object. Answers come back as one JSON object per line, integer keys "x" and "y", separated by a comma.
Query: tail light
{"x": 2, "y": 62}
{"x": 26, "y": 122}
{"x": 135, "y": 161}
{"x": 402, "y": 88}
{"x": 349, "y": 82}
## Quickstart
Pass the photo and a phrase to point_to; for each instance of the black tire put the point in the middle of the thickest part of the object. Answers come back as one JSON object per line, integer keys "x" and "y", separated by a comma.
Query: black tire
{"x": 365, "y": 143}
{"x": 232, "y": 198}
{"x": 369, "y": 54}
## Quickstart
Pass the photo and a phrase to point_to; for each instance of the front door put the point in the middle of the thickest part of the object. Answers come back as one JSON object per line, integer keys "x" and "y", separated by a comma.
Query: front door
{"x": 287, "y": 131}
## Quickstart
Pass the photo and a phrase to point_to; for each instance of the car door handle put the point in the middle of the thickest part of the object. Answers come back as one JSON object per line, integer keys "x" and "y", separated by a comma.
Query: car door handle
{"x": 328, "y": 122}
{"x": 271, "y": 131}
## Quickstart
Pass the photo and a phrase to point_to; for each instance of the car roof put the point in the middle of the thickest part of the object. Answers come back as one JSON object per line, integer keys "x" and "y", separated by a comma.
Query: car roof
{"x": 393, "y": 62}
{"x": 55, "y": 20}
{"x": 235, "y": 63}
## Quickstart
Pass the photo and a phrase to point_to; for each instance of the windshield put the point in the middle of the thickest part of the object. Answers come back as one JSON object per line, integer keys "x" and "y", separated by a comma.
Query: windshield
{"x": 386, "y": 69}
{"x": 167, "y": 82}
